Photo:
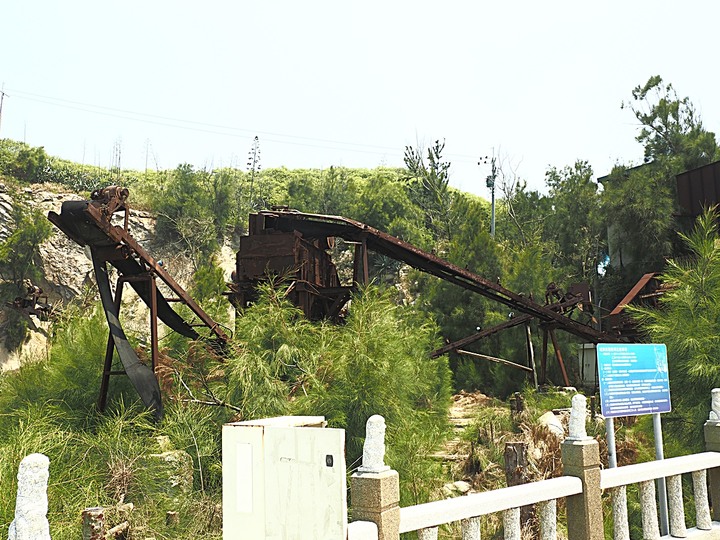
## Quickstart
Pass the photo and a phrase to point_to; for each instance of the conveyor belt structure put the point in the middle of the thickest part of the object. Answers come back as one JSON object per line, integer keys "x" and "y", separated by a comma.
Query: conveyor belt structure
{"x": 318, "y": 226}
{"x": 265, "y": 247}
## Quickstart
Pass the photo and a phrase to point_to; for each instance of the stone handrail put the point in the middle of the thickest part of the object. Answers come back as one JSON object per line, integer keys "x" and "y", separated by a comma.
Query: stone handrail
{"x": 642, "y": 472}
{"x": 644, "y": 475}
{"x": 375, "y": 492}
{"x": 430, "y": 515}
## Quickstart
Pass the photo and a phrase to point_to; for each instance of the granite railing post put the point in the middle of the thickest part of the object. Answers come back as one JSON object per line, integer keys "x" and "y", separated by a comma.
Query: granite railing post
{"x": 31, "y": 507}
{"x": 375, "y": 488}
{"x": 581, "y": 458}
{"x": 712, "y": 444}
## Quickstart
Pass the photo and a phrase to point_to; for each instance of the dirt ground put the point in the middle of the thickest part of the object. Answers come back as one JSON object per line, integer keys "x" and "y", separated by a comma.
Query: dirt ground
{"x": 464, "y": 409}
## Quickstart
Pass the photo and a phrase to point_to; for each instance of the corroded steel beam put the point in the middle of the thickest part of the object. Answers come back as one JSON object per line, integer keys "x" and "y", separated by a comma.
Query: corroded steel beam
{"x": 319, "y": 226}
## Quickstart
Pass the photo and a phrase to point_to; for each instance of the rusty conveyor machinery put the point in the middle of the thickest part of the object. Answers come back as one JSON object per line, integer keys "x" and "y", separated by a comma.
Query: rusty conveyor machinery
{"x": 89, "y": 223}
{"x": 369, "y": 238}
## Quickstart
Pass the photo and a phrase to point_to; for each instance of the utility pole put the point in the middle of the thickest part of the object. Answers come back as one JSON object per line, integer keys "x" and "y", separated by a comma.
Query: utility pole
{"x": 2, "y": 98}
{"x": 490, "y": 183}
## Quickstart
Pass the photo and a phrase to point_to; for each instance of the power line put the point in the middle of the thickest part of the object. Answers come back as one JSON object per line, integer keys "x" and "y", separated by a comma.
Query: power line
{"x": 177, "y": 123}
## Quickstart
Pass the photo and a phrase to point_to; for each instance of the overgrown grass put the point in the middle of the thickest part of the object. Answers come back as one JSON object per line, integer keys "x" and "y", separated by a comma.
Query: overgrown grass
{"x": 97, "y": 459}
{"x": 279, "y": 363}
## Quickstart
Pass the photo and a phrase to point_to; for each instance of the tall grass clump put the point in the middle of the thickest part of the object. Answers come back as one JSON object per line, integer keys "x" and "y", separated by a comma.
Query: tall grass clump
{"x": 49, "y": 406}
{"x": 376, "y": 363}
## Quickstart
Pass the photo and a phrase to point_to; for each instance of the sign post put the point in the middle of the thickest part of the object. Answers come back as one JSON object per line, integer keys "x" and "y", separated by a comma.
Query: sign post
{"x": 634, "y": 381}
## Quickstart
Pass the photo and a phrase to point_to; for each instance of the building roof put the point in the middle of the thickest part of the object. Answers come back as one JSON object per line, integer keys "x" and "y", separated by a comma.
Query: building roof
{"x": 699, "y": 189}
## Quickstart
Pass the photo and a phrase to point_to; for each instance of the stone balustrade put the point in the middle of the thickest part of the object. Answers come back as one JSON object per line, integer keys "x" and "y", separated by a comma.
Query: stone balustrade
{"x": 426, "y": 518}
{"x": 582, "y": 487}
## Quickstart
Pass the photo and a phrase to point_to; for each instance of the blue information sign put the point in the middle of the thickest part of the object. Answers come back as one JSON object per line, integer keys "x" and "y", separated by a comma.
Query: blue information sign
{"x": 633, "y": 379}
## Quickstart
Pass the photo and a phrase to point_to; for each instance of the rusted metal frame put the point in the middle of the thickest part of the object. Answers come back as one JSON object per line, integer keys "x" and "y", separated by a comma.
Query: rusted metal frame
{"x": 120, "y": 236}
{"x": 109, "y": 350}
{"x": 494, "y": 359}
{"x": 338, "y": 295}
{"x": 442, "y": 268}
{"x": 320, "y": 272}
{"x": 515, "y": 321}
{"x": 306, "y": 293}
{"x": 113, "y": 253}
{"x": 558, "y": 355}
{"x": 633, "y": 292}
{"x": 54, "y": 218}
{"x": 432, "y": 264}
{"x": 540, "y": 312}
{"x": 154, "y": 349}
{"x": 337, "y": 305}
{"x": 480, "y": 335}
{"x": 300, "y": 254}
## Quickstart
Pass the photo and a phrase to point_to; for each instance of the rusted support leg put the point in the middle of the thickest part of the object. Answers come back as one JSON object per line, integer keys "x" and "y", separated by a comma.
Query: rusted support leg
{"x": 361, "y": 272}
{"x": 109, "y": 350}
{"x": 559, "y": 357}
{"x": 153, "y": 322}
{"x": 357, "y": 265}
{"x": 366, "y": 270}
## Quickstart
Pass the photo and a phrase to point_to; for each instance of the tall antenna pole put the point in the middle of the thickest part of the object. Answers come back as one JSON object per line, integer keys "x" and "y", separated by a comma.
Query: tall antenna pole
{"x": 254, "y": 166}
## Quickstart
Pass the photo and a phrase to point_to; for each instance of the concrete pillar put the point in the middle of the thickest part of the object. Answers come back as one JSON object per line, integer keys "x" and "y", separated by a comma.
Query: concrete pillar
{"x": 375, "y": 488}
{"x": 712, "y": 444}
{"x": 581, "y": 458}
{"x": 376, "y": 497}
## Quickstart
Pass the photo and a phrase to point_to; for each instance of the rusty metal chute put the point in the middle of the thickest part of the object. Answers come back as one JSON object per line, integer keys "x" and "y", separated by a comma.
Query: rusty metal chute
{"x": 89, "y": 223}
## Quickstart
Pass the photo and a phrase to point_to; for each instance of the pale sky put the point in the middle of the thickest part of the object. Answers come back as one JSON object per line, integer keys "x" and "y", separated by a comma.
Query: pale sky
{"x": 348, "y": 83}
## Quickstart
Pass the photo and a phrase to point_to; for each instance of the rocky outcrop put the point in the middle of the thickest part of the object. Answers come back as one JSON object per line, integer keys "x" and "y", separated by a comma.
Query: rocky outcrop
{"x": 6, "y": 206}
{"x": 67, "y": 268}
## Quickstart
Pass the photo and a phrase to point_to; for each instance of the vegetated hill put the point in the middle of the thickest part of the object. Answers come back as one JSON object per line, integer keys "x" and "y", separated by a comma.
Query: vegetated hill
{"x": 278, "y": 363}
{"x": 198, "y": 212}
{"x": 187, "y": 216}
